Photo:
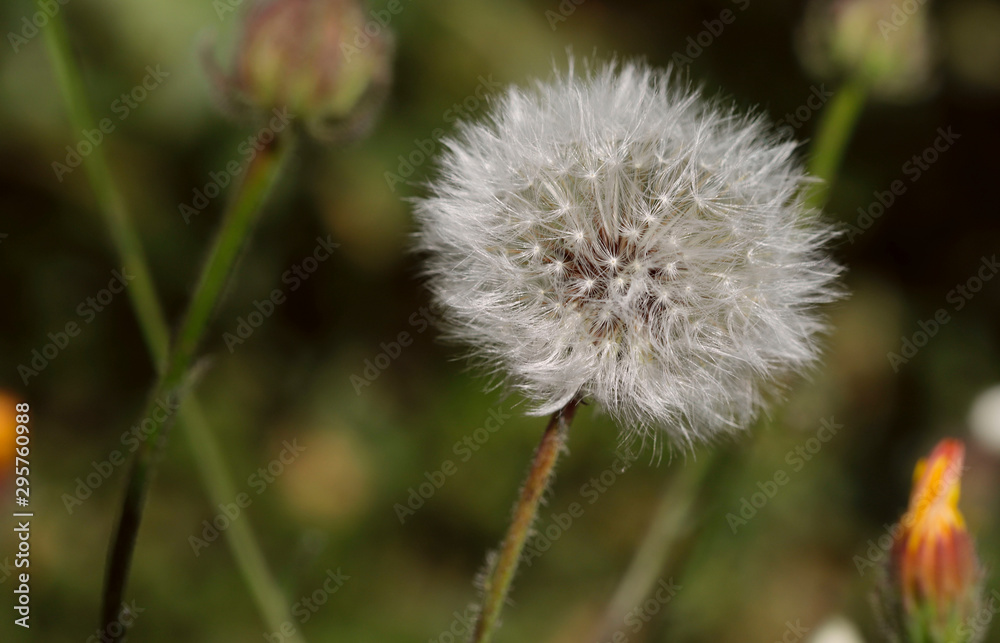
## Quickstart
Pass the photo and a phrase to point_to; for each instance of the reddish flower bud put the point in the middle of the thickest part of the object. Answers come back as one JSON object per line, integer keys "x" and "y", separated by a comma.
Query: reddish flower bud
{"x": 318, "y": 59}
{"x": 934, "y": 578}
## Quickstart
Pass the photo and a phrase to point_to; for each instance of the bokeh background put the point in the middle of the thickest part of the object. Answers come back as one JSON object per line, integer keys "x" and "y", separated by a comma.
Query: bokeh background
{"x": 366, "y": 447}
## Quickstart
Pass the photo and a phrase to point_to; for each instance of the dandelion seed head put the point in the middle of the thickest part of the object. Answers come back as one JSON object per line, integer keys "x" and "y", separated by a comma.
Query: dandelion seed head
{"x": 615, "y": 236}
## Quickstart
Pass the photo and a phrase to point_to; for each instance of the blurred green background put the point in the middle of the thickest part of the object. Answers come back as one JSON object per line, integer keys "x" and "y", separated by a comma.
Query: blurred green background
{"x": 366, "y": 448}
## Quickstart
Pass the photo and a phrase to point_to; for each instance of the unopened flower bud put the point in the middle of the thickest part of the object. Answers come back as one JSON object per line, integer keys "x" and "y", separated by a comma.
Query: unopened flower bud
{"x": 885, "y": 43}
{"x": 934, "y": 580}
{"x": 318, "y": 59}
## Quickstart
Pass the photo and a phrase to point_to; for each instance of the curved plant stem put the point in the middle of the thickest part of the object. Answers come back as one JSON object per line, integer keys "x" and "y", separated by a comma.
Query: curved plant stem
{"x": 670, "y": 521}
{"x": 835, "y": 129}
{"x": 152, "y": 322}
{"x": 235, "y": 229}
{"x": 250, "y": 561}
{"x": 525, "y": 512}
{"x": 141, "y": 292}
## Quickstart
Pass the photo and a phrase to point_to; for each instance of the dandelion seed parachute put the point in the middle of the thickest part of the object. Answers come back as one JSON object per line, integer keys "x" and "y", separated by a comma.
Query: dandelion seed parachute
{"x": 614, "y": 235}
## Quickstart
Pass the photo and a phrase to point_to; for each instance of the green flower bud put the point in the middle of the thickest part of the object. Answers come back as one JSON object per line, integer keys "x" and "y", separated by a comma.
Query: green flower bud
{"x": 886, "y": 42}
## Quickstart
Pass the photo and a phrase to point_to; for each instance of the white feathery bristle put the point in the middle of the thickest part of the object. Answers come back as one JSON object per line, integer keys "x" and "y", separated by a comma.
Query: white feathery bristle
{"x": 615, "y": 236}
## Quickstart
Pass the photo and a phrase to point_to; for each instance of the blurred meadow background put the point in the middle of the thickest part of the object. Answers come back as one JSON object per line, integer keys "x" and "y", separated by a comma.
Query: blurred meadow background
{"x": 403, "y": 465}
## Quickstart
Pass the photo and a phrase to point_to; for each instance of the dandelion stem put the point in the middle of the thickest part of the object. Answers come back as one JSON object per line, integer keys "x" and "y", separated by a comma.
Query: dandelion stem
{"x": 525, "y": 512}
{"x": 669, "y": 524}
{"x": 835, "y": 129}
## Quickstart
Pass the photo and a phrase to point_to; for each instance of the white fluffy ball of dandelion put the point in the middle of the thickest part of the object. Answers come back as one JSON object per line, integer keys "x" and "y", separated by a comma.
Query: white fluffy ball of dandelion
{"x": 614, "y": 236}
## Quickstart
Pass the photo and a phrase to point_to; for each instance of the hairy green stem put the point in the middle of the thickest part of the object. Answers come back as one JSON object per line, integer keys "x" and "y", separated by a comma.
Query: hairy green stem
{"x": 525, "y": 512}
{"x": 142, "y": 295}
